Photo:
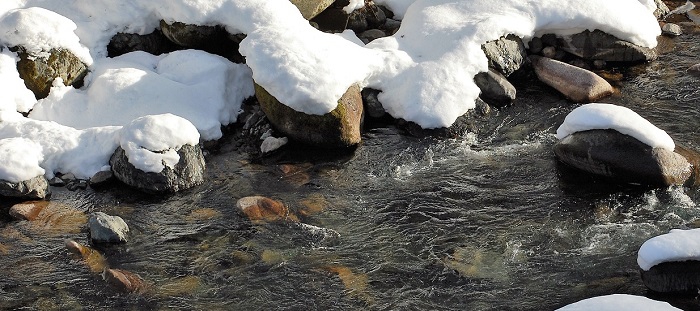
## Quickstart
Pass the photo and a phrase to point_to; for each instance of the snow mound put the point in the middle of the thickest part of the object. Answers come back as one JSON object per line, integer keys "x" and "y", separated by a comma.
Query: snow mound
{"x": 622, "y": 119}
{"x": 15, "y": 95}
{"x": 20, "y": 158}
{"x": 677, "y": 245}
{"x": 619, "y": 302}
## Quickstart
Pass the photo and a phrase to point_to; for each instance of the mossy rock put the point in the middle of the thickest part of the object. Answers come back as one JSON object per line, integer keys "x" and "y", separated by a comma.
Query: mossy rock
{"x": 337, "y": 129}
{"x": 39, "y": 73}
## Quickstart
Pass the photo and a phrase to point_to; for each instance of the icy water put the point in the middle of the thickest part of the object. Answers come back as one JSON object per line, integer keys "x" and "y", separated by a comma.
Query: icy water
{"x": 488, "y": 221}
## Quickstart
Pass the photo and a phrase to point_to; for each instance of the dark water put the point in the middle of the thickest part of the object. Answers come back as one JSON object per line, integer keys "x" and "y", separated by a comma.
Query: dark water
{"x": 488, "y": 221}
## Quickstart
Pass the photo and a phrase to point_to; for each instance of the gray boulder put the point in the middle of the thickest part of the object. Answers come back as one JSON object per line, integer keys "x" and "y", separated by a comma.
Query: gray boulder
{"x": 681, "y": 277}
{"x": 578, "y": 84}
{"x": 107, "y": 229}
{"x": 495, "y": 88}
{"x": 337, "y": 129}
{"x": 599, "y": 45}
{"x": 506, "y": 54}
{"x": 39, "y": 72}
{"x": 621, "y": 157}
{"x": 187, "y": 173}
{"x": 35, "y": 188}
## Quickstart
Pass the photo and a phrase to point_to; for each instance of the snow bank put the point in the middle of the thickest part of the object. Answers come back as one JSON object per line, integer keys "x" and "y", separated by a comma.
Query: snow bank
{"x": 619, "y": 302}
{"x": 151, "y": 142}
{"x": 15, "y": 95}
{"x": 621, "y": 119}
{"x": 678, "y": 245}
{"x": 20, "y": 158}
{"x": 205, "y": 89}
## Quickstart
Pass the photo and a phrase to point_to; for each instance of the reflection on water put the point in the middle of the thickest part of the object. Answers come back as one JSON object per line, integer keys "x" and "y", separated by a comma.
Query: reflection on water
{"x": 489, "y": 221}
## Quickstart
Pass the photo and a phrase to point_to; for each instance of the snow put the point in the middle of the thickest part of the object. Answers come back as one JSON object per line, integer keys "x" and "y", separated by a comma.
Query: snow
{"x": 20, "y": 158}
{"x": 430, "y": 84}
{"x": 677, "y": 245}
{"x": 619, "y": 302}
{"x": 151, "y": 142}
{"x": 621, "y": 119}
{"x": 205, "y": 89}
{"x": 15, "y": 95}
{"x": 354, "y": 5}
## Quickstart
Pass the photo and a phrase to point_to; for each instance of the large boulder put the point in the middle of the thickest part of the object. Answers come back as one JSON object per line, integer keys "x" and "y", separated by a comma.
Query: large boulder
{"x": 213, "y": 39}
{"x": 310, "y": 8}
{"x": 338, "y": 128}
{"x": 615, "y": 155}
{"x": 495, "y": 88}
{"x": 600, "y": 45}
{"x": 39, "y": 72}
{"x": 577, "y": 84}
{"x": 34, "y": 188}
{"x": 681, "y": 277}
{"x": 507, "y": 54}
{"x": 187, "y": 173}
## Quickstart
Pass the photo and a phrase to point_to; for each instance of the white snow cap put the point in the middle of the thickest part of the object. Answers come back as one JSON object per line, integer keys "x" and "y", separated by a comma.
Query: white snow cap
{"x": 354, "y": 5}
{"x": 151, "y": 142}
{"x": 20, "y": 158}
{"x": 39, "y": 30}
{"x": 677, "y": 245}
{"x": 608, "y": 116}
{"x": 619, "y": 302}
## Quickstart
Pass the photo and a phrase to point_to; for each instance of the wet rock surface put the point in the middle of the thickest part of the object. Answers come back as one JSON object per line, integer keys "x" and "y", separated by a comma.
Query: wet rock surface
{"x": 578, "y": 84}
{"x": 35, "y": 188}
{"x": 682, "y": 277}
{"x": 600, "y": 45}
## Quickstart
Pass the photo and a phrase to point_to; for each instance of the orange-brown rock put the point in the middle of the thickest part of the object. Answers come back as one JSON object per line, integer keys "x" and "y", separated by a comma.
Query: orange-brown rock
{"x": 28, "y": 210}
{"x": 124, "y": 281}
{"x": 262, "y": 209}
{"x": 357, "y": 284}
{"x": 92, "y": 258}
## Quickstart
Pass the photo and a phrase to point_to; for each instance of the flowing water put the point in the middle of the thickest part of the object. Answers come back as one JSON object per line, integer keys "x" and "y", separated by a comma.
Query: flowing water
{"x": 488, "y": 221}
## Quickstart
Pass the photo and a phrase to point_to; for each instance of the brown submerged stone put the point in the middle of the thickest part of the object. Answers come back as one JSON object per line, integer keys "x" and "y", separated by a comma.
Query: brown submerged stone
{"x": 262, "y": 209}
{"x": 28, "y": 210}
{"x": 124, "y": 281}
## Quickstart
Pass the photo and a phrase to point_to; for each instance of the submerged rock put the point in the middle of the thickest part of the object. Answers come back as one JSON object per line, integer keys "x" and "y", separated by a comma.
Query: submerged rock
{"x": 600, "y": 45}
{"x": 92, "y": 258}
{"x": 495, "y": 88}
{"x": 694, "y": 70}
{"x": 125, "y": 281}
{"x": 187, "y": 173}
{"x": 28, "y": 210}
{"x": 612, "y": 154}
{"x": 506, "y": 54}
{"x": 35, "y": 188}
{"x": 681, "y": 277}
{"x": 39, "y": 72}
{"x": 577, "y": 84}
{"x": 262, "y": 209}
{"x": 105, "y": 228}
{"x": 338, "y": 128}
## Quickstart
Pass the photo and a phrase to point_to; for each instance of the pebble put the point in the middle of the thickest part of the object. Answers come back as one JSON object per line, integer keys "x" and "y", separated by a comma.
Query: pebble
{"x": 671, "y": 29}
{"x": 549, "y": 52}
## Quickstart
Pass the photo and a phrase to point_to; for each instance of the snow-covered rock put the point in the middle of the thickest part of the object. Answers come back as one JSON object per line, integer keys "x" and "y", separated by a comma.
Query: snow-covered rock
{"x": 619, "y": 302}
{"x": 579, "y": 85}
{"x": 671, "y": 262}
{"x": 599, "y": 45}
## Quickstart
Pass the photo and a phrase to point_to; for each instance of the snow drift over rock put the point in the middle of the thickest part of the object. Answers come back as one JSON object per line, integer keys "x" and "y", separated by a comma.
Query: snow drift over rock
{"x": 624, "y": 120}
{"x": 20, "y": 158}
{"x": 619, "y": 302}
{"x": 677, "y": 245}
{"x": 205, "y": 89}
{"x": 151, "y": 142}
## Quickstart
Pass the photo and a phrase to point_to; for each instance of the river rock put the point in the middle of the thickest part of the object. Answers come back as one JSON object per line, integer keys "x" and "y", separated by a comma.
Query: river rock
{"x": 28, "y": 210}
{"x": 661, "y": 9}
{"x": 125, "y": 281}
{"x": 101, "y": 178}
{"x": 507, "y": 54}
{"x": 599, "y": 45}
{"x": 213, "y": 39}
{"x": 612, "y": 154}
{"x": 154, "y": 43}
{"x": 371, "y": 35}
{"x": 681, "y": 277}
{"x": 187, "y": 173}
{"x": 495, "y": 88}
{"x": 311, "y": 8}
{"x": 39, "y": 72}
{"x": 671, "y": 29}
{"x": 35, "y": 188}
{"x": 466, "y": 123}
{"x": 372, "y": 105}
{"x": 262, "y": 209}
{"x": 107, "y": 229}
{"x": 338, "y": 128}
{"x": 93, "y": 259}
{"x": 694, "y": 70}
{"x": 578, "y": 84}
{"x": 693, "y": 157}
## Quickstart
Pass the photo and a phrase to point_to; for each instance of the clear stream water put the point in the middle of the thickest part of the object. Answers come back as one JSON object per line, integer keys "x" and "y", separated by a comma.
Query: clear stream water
{"x": 488, "y": 221}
